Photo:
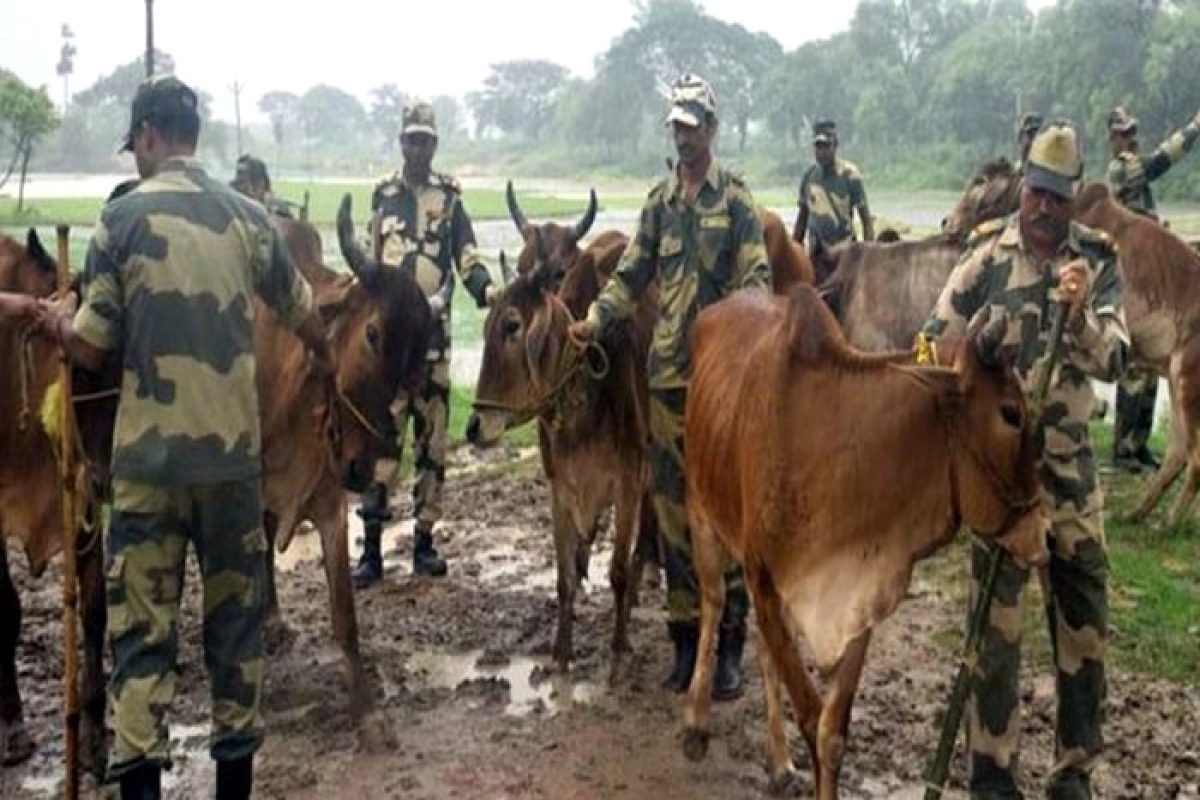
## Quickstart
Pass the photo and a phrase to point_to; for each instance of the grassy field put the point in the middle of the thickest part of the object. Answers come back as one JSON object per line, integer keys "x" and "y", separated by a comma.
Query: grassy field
{"x": 324, "y": 198}
{"x": 1154, "y": 584}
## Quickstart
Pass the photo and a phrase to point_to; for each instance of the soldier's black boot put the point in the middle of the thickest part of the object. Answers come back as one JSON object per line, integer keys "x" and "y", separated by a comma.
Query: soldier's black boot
{"x": 374, "y": 512}
{"x": 686, "y": 637}
{"x": 235, "y": 779}
{"x": 142, "y": 783}
{"x": 727, "y": 678}
{"x": 426, "y": 560}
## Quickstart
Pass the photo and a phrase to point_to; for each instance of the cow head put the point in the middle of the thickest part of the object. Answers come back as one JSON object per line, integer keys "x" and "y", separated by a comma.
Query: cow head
{"x": 1095, "y": 208}
{"x": 550, "y": 246}
{"x": 993, "y": 191}
{"x": 524, "y": 336}
{"x": 993, "y": 445}
{"x": 29, "y": 269}
{"x": 379, "y": 326}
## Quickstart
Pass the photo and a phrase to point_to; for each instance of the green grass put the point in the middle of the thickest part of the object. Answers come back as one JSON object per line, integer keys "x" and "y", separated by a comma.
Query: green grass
{"x": 1154, "y": 584}
{"x": 481, "y": 204}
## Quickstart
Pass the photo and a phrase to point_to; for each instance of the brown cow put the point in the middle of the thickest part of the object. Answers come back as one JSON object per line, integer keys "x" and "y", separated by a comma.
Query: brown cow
{"x": 1160, "y": 273}
{"x": 828, "y": 519}
{"x": 30, "y": 499}
{"x": 592, "y": 412}
{"x": 883, "y": 293}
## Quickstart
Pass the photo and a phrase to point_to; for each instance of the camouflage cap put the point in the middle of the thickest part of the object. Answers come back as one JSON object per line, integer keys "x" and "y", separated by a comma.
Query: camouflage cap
{"x": 419, "y": 118}
{"x": 1054, "y": 163}
{"x": 692, "y": 99}
{"x": 1121, "y": 121}
{"x": 1030, "y": 122}
{"x": 157, "y": 99}
{"x": 824, "y": 130}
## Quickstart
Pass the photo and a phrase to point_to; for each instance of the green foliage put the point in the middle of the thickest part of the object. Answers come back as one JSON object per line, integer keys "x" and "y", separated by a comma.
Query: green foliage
{"x": 518, "y": 98}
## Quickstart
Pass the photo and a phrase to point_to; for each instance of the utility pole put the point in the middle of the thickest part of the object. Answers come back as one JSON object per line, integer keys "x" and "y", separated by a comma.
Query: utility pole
{"x": 237, "y": 88}
{"x": 149, "y": 39}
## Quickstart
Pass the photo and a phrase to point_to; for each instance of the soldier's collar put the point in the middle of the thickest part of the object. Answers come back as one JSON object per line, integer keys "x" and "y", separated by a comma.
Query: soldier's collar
{"x": 180, "y": 164}
{"x": 712, "y": 178}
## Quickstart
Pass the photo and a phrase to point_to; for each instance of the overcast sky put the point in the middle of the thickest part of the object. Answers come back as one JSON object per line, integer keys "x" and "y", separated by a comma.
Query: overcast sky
{"x": 438, "y": 47}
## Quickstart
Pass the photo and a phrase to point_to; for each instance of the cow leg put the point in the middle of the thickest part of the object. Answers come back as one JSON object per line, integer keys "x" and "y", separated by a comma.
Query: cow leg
{"x": 15, "y": 743}
{"x": 835, "y": 717}
{"x": 1174, "y": 460}
{"x": 566, "y": 543}
{"x": 620, "y": 576}
{"x": 780, "y": 645}
{"x": 708, "y": 561}
{"x": 276, "y": 634}
{"x": 784, "y": 778}
{"x": 647, "y": 553}
{"x": 94, "y": 615}
{"x": 335, "y": 555}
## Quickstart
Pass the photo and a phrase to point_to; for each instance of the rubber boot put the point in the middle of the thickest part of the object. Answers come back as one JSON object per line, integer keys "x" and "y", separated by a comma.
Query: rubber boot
{"x": 686, "y": 637}
{"x": 235, "y": 779}
{"x": 727, "y": 678}
{"x": 374, "y": 512}
{"x": 142, "y": 783}
{"x": 426, "y": 560}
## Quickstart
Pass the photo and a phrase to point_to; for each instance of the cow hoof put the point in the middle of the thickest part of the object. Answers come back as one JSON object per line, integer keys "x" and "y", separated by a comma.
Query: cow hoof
{"x": 19, "y": 746}
{"x": 695, "y": 743}
{"x": 785, "y": 784}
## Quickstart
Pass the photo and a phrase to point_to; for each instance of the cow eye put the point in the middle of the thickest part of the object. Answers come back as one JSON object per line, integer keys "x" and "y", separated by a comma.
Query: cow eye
{"x": 373, "y": 337}
{"x": 511, "y": 326}
{"x": 1011, "y": 414}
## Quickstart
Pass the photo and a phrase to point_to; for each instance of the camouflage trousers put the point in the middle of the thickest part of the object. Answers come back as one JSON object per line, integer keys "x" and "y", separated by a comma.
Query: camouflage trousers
{"x": 146, "y": 555}
{"x": 1137, "y": 392}
{"x": 1075, "y": 588}
{"x": 668, "y": 487}
{"x": 430, "y": 414}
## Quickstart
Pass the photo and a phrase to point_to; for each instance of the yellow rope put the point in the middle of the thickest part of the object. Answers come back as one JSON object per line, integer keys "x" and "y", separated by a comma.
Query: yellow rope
{"x": 926, "y": 350}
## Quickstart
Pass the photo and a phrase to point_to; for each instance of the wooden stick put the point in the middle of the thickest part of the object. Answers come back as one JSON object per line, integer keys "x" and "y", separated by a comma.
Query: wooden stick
{"x": 939, "y": 768}
{"x": 70, "y": 620}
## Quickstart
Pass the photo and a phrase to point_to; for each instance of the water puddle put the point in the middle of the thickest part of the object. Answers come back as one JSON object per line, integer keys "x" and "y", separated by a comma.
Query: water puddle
{"x": 47, "y": 785}
{"x": 531, "y": 688}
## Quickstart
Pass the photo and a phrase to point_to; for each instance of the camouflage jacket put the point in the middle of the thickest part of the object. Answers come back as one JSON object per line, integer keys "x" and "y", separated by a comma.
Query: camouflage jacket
{"x": 426, "y": 229}
{"x": 1130, "y": 175}
{"x": 998, "y": 273}
{"x": 171, "y": 273}
{"x": 831, "y": 198}
{"x": 699, "y": 252}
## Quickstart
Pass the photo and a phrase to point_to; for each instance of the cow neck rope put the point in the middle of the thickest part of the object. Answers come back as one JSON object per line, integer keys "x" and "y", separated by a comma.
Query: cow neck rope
{"x": 572, "y": 361}
{"x": 1015, "y": 507}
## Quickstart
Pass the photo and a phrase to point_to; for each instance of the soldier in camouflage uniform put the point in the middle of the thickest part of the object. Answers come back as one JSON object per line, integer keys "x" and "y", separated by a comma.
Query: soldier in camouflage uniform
{"x": 172, "y": 270}
{"x": 830, "y": 192}
{"x": 1129, "y": 176}
{"x": 419, "y": 223}
{"x": 1018, "y": 271}
{"x": 700, "y": 238}
{"x": 253, "y": 180}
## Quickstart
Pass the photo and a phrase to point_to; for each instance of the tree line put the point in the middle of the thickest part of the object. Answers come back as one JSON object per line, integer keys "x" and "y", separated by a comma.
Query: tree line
{"x": 921, "y": 90}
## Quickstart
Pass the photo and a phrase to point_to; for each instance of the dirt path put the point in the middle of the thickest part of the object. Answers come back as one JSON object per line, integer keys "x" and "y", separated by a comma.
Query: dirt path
{"x": 466, "y": 711}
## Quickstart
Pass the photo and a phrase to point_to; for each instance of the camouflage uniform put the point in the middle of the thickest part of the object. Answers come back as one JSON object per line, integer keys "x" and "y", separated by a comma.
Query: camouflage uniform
{"x": 829, "y": 196}
{"x": 424, "y": 229}
{"x": 253, "y": 180}
{"x": 699, "y": 252}
{"x": 171, "y": 272}
{"x": 998, "y": 273}
{"x": 1129, "y": 177}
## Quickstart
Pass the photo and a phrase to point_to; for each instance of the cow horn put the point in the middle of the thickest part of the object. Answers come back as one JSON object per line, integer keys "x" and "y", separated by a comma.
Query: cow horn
{"x": 589, "y": 217}
{"x": 514, "y": 210}
{"x": 363, "y": 268}
{"x": 506, "y": 271}
{"x": 35, "y": 250}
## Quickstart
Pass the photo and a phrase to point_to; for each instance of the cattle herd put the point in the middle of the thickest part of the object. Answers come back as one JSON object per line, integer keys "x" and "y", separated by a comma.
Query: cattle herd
{"x": 765, "y": 366}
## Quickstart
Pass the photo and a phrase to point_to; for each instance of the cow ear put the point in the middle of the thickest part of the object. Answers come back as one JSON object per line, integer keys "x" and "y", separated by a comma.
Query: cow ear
{"x": 536, "y": 338}
{"x": 335, "y": 301}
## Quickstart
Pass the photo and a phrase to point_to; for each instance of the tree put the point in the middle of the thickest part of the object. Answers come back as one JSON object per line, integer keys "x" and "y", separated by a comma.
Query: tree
{"x": 330, "y": 117}
{"x": 281, "y": 109}
{"x": 26, "y": 116}
{"x": 449, "y": 118}
{"x": 387, "y": 110}
{"x": 518, "y": 97}
{"x": 66, "y": 62}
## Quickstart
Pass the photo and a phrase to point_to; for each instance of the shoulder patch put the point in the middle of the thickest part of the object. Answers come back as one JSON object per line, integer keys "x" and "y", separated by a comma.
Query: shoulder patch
{"x": 657, "y": 190}
{"x": 985, "y": 230}
{"x": 850, "y": 170}
{"x": 384, "y": 180}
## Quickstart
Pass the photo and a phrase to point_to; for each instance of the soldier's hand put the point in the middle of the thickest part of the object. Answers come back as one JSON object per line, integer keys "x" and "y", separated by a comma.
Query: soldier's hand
{"x": 490, "y": 294}
{"x": 1074, "y": 284}
{"x": 582, "y": 332}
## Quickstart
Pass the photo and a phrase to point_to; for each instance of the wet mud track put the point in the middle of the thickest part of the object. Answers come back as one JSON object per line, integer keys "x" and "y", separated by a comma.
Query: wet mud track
{"x": 466, "y": 708}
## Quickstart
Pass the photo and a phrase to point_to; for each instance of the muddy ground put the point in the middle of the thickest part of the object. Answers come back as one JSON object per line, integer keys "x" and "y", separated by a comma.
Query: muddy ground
{"x": 465, "y": 708}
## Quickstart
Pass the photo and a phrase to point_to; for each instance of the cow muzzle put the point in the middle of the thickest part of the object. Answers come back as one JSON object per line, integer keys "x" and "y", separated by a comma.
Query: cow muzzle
{"x": 1026, "y": 540}
{"x": 484, "y": 428}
